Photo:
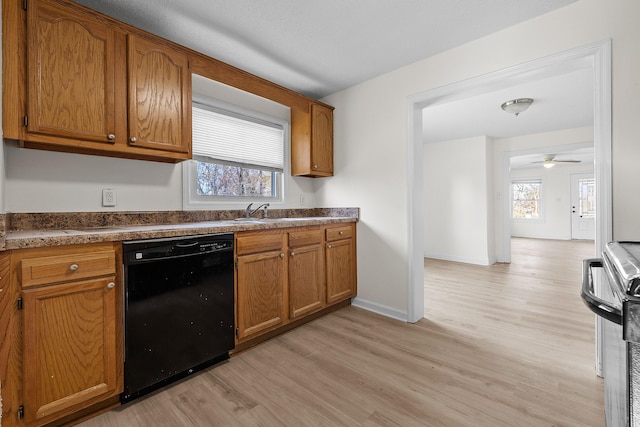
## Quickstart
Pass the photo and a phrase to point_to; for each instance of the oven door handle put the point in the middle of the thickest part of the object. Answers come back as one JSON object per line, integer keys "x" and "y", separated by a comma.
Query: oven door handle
{"x": 599, "y": 306}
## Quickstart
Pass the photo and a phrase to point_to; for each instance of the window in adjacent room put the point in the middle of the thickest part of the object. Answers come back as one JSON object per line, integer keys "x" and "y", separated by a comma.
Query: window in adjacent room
{"x": 525, "y": 199}
{"x": 238, "y": 155}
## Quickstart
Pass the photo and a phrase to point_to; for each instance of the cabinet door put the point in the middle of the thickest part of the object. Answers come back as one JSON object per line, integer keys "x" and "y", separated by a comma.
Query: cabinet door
{"x": 341, "y": 273}
{"x": 261, "y": 292}
{"x": 70, "y": 90}
{"x": 306, "y": 280}
{"x": 70, "y": 341}
{"x": 159, "y": 96}
{"x": 322, "y": 139}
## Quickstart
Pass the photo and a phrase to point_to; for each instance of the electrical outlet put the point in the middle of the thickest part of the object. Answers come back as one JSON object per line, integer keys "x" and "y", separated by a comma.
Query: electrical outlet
{"x": 302, "y": 200}
{"x": 108, "y": 197}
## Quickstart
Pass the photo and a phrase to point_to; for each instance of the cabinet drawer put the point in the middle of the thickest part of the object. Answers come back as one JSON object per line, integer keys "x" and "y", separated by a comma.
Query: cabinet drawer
{"x": 338, "y": 233}
{"x": 62, "y": 268}
{"x": 305, "y": 238}
{"x": 249, "y": 244}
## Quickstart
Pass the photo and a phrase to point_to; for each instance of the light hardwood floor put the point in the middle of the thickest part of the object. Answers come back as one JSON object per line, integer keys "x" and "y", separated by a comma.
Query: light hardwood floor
{"x": 505, "y": 345}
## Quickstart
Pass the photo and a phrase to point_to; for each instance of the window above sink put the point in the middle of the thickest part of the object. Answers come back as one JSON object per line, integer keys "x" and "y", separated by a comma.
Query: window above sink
{"x": 240, "y": 149}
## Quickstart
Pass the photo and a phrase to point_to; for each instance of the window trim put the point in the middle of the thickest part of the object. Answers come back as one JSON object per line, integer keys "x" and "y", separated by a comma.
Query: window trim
{"x": 192, "y": 201}
{"x": 539, "y": 180}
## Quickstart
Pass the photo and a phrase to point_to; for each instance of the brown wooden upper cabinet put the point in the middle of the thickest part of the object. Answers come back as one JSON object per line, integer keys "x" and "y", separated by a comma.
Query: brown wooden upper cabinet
{"x": 70, "y": 88}
{"x": 159, "y": 97}
{"x": 92, "y": 87}
{"x": 82, "y": 82}
{"x": 312, "y": 141}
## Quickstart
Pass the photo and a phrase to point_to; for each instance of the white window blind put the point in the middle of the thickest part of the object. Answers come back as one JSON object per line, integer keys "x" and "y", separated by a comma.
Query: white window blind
{"x": 230, "y": 137}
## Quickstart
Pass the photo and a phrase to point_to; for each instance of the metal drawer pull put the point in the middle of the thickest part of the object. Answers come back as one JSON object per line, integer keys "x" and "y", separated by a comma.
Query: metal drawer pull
{"x": 111, "y": 137}
{"x": 341, "y": 232}
{"x": 73, "y": 267}
{"x": 329, "y": 246}
{"x": 133, "y": 139}
{"x": 111, "y": 285}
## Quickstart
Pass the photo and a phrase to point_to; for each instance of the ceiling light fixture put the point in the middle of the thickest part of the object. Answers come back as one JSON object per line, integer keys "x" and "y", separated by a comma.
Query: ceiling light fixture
{"x": 516, "y": 106}
{"x": 548, "y": 163}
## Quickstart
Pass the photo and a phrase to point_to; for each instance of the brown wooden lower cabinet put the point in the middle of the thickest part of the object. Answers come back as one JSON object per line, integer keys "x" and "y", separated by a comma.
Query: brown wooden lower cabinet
{"x": 65, "y": 353}
{"x": 61, "y": 347}
{"x": 300, "y": 272}
{"x": 70, "y": 347}
{"x": 340, "y": 262}
{"x": 306, "y": 273}
{"x": 260, "y": 292}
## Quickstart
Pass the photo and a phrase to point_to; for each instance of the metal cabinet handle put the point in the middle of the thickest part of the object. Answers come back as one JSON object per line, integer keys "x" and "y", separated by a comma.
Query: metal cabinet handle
{"x": 73, "y": 267}
{"x": 111, "y": 137}
{"x": 315, "y": 166}
{"x": 293, "y": 253}
{"x": 329, "y": 246}
{"x": 281, "y": 255}
{"x": 341, "y": 232}
{"x": 111, "y": 285}
{"x": 133, "y": 139}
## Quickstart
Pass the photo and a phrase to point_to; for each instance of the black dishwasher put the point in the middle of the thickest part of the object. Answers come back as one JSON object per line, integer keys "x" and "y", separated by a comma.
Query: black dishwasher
{"x": 179, "y": 309}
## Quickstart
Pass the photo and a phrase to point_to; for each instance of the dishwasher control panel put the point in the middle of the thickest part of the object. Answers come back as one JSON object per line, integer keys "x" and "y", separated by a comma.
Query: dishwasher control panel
{"x": 153, "y": 249}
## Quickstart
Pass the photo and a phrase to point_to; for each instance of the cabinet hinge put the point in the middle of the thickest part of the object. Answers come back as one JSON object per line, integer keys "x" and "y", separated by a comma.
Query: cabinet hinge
{"x": 237, "y": 332}
{"x": 24, "y": 4}
{"x": 20, "y": 412}
{"x": 236, "y": 264}
{"x": 25, "y": 121}
{"x": 19, "y": 303}
{"x": 188, "y": 65}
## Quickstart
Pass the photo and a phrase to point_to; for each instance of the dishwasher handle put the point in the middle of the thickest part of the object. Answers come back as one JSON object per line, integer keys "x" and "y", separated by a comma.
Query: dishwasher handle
{"x": 186, "y": 245}
{"x": 599, "y": 306}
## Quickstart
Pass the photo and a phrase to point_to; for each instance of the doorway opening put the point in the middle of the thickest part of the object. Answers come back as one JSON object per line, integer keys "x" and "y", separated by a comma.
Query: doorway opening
{"x": 597, "y": 56}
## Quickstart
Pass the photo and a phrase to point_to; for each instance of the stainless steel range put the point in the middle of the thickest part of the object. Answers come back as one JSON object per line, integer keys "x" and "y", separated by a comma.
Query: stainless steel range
{"x": 617, "y": 274}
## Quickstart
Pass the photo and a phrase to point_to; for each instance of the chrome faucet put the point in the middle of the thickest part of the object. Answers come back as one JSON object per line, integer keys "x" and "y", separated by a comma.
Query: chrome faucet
{"x": 248, "y": 212}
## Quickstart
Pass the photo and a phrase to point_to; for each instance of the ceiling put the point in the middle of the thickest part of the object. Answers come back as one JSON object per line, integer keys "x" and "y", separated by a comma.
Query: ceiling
{"x": 563, "y": 99}
{"x": 320, "y": 47}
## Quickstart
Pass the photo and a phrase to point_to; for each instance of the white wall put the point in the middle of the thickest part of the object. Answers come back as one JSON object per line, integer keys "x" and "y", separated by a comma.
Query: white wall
{"x": 555, "y": 203}
{"x": 371, "y": 132}
{"x": 457, "y": 196}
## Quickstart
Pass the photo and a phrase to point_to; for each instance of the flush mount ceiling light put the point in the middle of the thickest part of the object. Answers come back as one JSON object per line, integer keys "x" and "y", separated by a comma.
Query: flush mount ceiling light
{"x": 516, "y": 106}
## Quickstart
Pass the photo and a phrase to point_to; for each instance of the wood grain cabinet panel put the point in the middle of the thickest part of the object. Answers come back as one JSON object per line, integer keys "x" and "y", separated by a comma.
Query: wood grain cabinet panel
{"x": 322, "y": 139}
{"x": 159, "y": 96}
{"x": 312, "y": 141}
{"x": 70, "y": 347}
{"x": 70, "y": 74}
{"x": 52, "y": 269}
{"x": 306, "y": 272}
{"x": 341, "y": 266}
{"x": 260, "y": 292}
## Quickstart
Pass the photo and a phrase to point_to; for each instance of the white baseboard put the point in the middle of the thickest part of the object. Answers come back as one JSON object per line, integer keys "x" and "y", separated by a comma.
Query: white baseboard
{"x": 542, "y": 236}
{"x": 380, "y": 309}
{"x": 477, "y": 261}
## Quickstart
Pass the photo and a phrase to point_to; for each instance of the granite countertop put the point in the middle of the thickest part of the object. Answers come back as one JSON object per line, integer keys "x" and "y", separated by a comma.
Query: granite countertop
{"x": 37, "y": 230}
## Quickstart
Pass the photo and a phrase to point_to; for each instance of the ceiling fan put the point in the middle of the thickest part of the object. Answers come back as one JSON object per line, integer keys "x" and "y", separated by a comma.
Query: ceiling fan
{"x": 549, "y": 161}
